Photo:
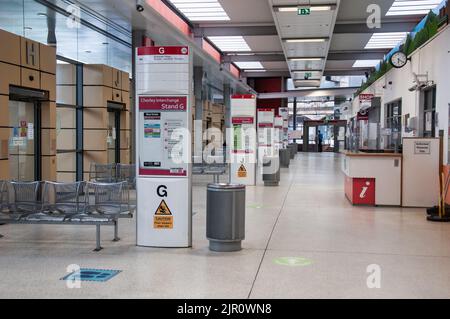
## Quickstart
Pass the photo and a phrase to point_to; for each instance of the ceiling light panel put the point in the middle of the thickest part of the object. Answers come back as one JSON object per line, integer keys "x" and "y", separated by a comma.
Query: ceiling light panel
{"x": 366, "y": 63}
{"x": 249, "y": 65}
{"x": 412, "y": 7}
{"x": 230, "y": 44}
{"x": 387, "y": 40}
{"x": 201, "y": 10}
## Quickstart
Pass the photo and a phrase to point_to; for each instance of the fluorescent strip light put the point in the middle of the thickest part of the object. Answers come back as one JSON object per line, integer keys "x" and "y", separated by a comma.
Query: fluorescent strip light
{"x": 254, "y": 70}
{"x": 201, "y": 10}
{"x": 230, "y": 44}
{"x": 386, "y": 40}
{"x": 313, "y": 8}
{"x": 305, "y": 40}
{"x": 366, "y": 63}
{"x": 249, "y": 65}
{"x": 305, "y": 59}
{"x": 412, "y": 7}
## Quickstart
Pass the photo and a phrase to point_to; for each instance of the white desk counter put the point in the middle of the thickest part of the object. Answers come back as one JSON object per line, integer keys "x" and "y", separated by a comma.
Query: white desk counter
{"x": 373, "y": 178}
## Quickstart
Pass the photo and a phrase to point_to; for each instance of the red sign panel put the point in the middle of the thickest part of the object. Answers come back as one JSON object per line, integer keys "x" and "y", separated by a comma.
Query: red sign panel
{"x": 242, "y": 120}
{"x": 243, "y": 96}
{"x": 363, "y": 191}
{"x": 366, "y": 97}
{"x": 180, "y": 50}
{"x": 262, "y": 125}
{"x": 163, "y": 103}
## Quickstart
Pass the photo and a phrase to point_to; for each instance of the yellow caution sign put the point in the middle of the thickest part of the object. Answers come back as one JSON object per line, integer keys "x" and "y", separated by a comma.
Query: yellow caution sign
{"x": 242, "y": 171}
{"x": 163, "y": 218}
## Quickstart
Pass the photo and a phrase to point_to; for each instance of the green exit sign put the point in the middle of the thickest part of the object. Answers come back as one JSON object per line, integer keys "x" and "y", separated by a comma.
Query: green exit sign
{"x": 304, "y": 11}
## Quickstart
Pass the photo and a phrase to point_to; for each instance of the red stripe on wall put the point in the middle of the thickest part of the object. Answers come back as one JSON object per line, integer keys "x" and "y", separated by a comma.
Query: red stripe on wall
{"x": 211, "y": 51}
{"x": 170, "y": 16}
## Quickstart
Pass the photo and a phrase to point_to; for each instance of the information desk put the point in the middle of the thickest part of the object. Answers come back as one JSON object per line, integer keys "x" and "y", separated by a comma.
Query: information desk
{"x": 373, "y": 178}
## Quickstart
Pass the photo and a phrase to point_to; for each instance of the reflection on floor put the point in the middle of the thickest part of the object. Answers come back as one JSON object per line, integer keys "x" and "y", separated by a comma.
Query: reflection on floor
{"x": 335, "y": 250}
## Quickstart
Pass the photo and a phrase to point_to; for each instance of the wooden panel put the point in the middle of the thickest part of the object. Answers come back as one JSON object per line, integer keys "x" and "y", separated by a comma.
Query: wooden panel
{"x": 66, "y": 162}
{"x": 66, "y": 139}
{"x": 66, "y": 74}
{"x": 47, "y": 56}
{"x": 4, "y": 110}
{"x": 95, "y": 118}
{"x": 4, "y": 142}
{"x": 66, "y": 95}
{"x": 125, "y": 156}
{"x": 30, "y": 78}
{"x": 48, "y": 141}
{"x": 49, "y": 168}
{"x": 48, "y": 115}
{"x": 117, "y": 96}
{"x": 97, "y": 74}
{"x": 66, "y": 117}
{"x": 48, "y": 83}
{"x": 12, "y": 78}
{"x": 125, "y": 120}
{"x": 10, "y": 50}
{"x": 63, "y": 177}
{"x": 4, "y": 169}
{"x": 29, "y": 53}
{"x": 97, "y": 96}
{"x": 125, "y": 81}
{"x": 116, "y": 79}
{"x": 126, "y": 99}
{"x": 100, "y": 157}
{"x": 125, "y": 139}
{"x": 95, "y": 140}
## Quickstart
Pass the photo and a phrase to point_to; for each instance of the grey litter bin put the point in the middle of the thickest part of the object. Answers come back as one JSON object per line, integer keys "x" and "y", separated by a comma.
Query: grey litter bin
{"x": 293, "y": 148}
{"x": 225, "y": 216}
{"x": 285, "y": 157}
{"x": 271, "y": 171}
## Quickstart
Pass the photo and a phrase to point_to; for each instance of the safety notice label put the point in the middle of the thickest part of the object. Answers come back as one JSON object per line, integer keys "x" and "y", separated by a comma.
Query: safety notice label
{"x": 163, "y": 218}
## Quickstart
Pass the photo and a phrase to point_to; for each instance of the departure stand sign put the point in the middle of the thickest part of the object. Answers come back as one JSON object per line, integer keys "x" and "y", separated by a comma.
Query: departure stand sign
{"x": 164, "y": 191}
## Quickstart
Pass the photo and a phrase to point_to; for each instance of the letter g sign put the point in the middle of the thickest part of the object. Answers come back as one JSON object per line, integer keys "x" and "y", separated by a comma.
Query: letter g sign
{"x": 162, "y": 191}
{"x": 162, "y": 50}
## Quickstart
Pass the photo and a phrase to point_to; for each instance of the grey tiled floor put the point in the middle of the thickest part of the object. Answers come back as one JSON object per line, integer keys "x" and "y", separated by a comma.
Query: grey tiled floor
{"x": 306, "y": 216}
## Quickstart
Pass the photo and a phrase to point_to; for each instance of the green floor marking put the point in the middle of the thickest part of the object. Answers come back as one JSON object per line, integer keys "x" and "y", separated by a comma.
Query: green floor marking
{"x": 293, "y": 261}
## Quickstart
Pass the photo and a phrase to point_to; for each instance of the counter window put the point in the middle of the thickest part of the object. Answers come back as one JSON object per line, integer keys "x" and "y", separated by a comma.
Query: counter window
{"x": 429, "y": 112}
{"x": 394, "y": 124}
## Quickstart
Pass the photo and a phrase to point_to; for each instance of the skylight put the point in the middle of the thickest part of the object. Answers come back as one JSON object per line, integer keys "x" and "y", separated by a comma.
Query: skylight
{"x": 412, "y": 7}
{"x": 230, "y": 44}
{"x": 387, "y": 40}
{"x": 366, "y": 63}
{"x": 249, "y": 65}
{"x": 201, "y": 10}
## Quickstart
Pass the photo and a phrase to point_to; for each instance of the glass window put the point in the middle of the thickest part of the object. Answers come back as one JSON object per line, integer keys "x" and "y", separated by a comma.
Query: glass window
{"x": 394, "y": 124}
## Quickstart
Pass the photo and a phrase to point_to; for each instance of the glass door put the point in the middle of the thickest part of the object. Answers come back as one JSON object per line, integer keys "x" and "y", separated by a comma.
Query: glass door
{"x": 113, "y": 137}
{"x": 24, "y": 159}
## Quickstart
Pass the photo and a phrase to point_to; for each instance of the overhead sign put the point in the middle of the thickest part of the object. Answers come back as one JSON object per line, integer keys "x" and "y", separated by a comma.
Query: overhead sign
{"x": 163, "y": 55}
{"x": 365, "y": 101}
{"x": 304, "y": 11}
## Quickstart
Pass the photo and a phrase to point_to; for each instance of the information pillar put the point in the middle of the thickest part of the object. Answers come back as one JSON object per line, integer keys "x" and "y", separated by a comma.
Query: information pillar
{"x": 163, "y": 126}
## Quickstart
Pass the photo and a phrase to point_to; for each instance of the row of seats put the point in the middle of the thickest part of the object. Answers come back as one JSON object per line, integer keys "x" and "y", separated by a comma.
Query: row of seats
{"x": 82, "y": 203}
{"x": 109, "y": 173}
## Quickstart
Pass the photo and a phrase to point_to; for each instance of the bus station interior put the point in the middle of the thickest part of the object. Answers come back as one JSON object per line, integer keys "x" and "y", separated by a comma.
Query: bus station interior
{"x": 363, "y": 109}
